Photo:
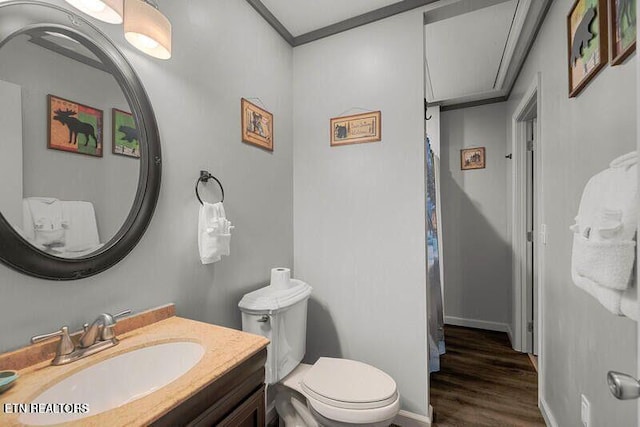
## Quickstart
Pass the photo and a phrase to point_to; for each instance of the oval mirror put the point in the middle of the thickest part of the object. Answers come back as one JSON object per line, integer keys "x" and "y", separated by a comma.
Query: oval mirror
{"x": 80, "y": 165}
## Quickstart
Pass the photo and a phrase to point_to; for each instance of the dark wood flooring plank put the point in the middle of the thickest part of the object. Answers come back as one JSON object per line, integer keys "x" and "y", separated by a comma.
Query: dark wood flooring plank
{"x": 484, "y": 382}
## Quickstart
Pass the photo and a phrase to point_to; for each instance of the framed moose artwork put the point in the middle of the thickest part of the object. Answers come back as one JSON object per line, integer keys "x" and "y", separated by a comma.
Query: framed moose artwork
{"x": 74, "y": 127}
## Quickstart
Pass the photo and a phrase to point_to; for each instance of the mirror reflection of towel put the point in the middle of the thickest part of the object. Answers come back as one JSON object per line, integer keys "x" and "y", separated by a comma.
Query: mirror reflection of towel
{"x": 82, "y": 229}
{"x": 74, "y": 225}
{"x": 47, "y": 221}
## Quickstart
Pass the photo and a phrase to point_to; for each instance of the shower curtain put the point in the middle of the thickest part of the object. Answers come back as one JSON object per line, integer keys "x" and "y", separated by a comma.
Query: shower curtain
{"x": 434, "y": 286}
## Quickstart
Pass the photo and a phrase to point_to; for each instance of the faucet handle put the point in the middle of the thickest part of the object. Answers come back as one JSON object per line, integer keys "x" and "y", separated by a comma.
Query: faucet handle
{"x": 106, "y": 333}
{"x": 121, "y": 314}
{"x": 65, "y": 346}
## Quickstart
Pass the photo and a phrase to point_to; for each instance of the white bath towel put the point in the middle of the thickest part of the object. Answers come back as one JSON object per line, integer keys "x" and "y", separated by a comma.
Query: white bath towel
{"x": 81, "y": 233}
{"x": 214, "y": 233}
{"x": 629, "y": 303}
{"x": 610, "y": 299}
{"x": 605, "y": 229}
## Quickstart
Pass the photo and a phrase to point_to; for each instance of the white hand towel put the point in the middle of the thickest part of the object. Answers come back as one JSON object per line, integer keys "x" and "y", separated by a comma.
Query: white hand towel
{"x": 214, "y": 233}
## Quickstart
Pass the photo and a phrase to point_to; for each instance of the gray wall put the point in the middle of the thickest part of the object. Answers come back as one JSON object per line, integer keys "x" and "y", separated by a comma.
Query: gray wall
{"x": 477, "y": 268}
{"x": 11, "y": 149}
{"x": 580, "y": 136}
{"x": 222, "y": 51}
{"x": 109, "y": 182}
{"x": 359, "y": 209}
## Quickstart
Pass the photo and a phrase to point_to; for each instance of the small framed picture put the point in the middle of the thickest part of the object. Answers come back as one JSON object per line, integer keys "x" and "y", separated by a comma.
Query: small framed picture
{"x": 472, "y": 158}
{"x": 257, "y": 125}
{"x": 623, "y": 29}
{"x": 124, "y": 134}
{"x": 356, "y": 129}
{"x": 587, "y": 36}
{"x": 74, "y": 127}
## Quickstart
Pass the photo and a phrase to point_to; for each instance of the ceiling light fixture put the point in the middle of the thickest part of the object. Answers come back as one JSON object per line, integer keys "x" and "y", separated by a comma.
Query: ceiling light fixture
{"x": 146, "y": 28}
{"x": 109, "y": 11}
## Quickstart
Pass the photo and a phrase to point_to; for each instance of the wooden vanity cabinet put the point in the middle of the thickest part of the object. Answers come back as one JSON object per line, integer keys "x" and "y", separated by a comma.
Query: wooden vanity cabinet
{"x": 237, "y": 399}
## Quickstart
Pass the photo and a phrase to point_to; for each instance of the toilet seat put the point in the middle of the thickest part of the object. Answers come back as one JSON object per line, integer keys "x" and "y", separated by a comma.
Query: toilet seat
{"x": 349, "y": 384}
{"x": 350, "y": 391}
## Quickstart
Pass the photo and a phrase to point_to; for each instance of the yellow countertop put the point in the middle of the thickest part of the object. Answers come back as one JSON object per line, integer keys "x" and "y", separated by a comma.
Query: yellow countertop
{"x": 224, "y": 350}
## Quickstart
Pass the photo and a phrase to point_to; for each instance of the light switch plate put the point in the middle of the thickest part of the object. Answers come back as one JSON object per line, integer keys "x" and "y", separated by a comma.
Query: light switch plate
{"x": 585, "y": 411}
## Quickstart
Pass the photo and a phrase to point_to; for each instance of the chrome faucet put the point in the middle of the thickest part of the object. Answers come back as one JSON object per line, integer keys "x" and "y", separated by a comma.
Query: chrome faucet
{"x": 97, "y": 337}
{"x": 100, "y": 330}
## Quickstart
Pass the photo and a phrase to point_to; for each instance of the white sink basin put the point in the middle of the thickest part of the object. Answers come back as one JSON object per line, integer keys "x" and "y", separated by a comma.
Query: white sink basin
{"x": 118, "y": 380}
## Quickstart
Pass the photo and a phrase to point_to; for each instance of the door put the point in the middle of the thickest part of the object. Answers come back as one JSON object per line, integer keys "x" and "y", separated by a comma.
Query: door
{"x": 530, "y": 286}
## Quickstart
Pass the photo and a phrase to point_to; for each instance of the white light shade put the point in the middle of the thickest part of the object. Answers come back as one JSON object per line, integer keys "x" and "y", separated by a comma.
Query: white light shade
{"x": 147, "y": 29}
{"x": 109, "y": 11}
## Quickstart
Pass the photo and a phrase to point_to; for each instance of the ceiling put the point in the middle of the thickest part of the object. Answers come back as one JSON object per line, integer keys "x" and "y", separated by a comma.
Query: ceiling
{"x": 463, "y": 53}
{"x": 304, "y": 16}
{"x": 474, "y": 49}
{"x": 304, "y": 21}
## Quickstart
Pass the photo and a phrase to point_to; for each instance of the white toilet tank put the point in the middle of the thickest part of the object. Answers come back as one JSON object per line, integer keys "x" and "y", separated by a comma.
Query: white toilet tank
{"x": 280, "y": 315}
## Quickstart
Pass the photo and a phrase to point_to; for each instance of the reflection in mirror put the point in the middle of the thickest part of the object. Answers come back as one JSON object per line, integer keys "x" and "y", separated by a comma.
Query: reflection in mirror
{"x": 69, "y": 145}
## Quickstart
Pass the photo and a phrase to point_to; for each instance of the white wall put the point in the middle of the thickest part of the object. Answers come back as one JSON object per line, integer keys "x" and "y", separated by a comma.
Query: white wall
{"x": 222, "y": 51}
{"x": 11, "y": 148}
{"x": 109, "y": 182}
{"x": 477, "y": 270}
{"x": 359, "y": 210}
{"x": 580, "y": 136}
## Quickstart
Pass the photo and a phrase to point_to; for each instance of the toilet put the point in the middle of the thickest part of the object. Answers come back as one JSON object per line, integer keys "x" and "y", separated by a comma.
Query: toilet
{"x": 330, "y": 393}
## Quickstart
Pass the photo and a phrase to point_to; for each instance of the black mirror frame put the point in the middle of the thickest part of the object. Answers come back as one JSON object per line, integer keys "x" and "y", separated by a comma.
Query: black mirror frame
{"x": 17, "y": 17}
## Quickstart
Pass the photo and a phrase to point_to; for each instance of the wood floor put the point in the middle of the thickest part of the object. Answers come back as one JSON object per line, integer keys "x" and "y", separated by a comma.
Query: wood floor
{"x": 483, "y": 382}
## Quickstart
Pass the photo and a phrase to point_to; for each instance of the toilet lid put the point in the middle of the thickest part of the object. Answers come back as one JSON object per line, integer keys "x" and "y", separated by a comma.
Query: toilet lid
{"x": 349, "y": 384}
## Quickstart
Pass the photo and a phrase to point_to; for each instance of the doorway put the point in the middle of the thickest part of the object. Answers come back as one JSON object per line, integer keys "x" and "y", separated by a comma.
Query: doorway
{"x": 528, "y": 232}
{"x": 530, "y": 177}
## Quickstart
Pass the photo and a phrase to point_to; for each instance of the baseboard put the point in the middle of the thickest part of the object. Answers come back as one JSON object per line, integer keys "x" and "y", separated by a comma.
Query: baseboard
{"x": 409, "y": 419}
{"x": 510, "y": 334}
{"x": 549, "y": 419}
{"x": 478, "y": 324}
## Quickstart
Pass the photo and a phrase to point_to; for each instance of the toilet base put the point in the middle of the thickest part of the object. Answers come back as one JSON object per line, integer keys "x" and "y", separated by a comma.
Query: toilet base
{"x": 292, "y": 410}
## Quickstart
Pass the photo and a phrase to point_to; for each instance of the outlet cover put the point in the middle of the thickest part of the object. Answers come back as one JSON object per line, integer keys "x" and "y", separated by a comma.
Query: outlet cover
{"x": 585, "y": 411}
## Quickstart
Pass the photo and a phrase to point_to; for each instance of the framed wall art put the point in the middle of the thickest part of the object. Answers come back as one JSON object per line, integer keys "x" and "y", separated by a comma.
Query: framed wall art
{"x": 357, "y": 128}
{"x": 622, "y": 14}
{"x": 124, "y": 134}
{"x": 472, "y": 158}
{"x": 257, "y": 125}
{"x": 74, "y": 127}
{"x": 587, "y": 40}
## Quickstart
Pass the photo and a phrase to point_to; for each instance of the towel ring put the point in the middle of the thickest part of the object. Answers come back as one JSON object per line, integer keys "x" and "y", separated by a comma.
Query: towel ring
{"x": 205, "y": 176}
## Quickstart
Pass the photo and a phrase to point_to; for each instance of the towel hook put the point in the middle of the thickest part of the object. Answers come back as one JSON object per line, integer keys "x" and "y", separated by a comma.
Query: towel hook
{"x": 205, "y": 176}
{"x": 426, "y": 107}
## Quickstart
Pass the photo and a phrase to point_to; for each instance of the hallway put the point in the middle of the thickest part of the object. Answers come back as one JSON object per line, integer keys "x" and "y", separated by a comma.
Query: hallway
{"x": 483, "y": 382}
